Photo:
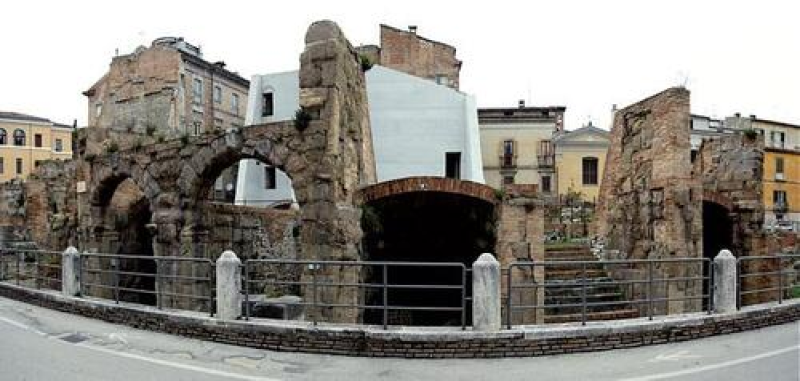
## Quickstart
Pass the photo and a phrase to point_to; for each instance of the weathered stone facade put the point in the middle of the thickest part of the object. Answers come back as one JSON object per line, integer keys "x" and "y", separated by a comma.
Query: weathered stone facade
{"x": 649, "y": 205}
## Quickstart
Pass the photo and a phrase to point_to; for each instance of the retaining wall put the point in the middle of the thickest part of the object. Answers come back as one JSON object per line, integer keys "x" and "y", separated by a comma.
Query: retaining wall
{"x": 416, "y": 342}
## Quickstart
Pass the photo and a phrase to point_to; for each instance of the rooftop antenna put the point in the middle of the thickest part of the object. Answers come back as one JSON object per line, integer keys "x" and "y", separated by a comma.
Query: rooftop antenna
{"x": 683, "y": 78}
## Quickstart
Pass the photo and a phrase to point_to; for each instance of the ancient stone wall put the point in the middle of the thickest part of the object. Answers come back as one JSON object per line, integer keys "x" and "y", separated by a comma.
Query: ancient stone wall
{"x": 649, "y": 205}
{"x": 520, "y": 238}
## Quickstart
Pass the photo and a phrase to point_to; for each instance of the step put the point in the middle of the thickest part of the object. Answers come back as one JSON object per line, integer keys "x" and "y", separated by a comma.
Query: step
{"x": 627, "y": 313}
{"x": 574, "y": 274}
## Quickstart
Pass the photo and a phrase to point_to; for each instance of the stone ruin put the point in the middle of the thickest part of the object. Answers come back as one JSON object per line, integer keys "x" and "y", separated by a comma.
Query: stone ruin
{"x": 127, "y": 192}
{"x": 656, "y": 204}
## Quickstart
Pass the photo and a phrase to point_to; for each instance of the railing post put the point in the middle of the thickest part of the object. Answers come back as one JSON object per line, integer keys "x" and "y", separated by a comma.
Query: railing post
{"x": 229, "y": 286}
{"x": 385, "y": 297}
{"x": 70, "y": 272}
{"x": 780, "y": 280}
{"x": 115, "y": 276}
{"x": 583, "y": 294}
{"x": 486, "y": 310}
{"x": 650, "y": 290}
{"x": 725, "y": 277}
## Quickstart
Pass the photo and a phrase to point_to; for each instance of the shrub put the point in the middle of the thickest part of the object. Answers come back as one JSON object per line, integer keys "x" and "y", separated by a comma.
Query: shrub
{"x": 750, "y": 133}
{"x": 301, "y": 119}
{"x": 112, "y": 147}
{"x": 150, "y": 130}
{"x": 366, "y": 63}
{"x": 184, "y": 139}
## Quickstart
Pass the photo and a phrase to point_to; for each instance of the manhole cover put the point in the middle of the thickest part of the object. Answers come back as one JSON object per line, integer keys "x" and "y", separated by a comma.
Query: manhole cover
{"x": 74, "y": 338}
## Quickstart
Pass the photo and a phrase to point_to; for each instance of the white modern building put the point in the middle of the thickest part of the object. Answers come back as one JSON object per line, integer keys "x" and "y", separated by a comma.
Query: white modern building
{"x": 419, "y": 128}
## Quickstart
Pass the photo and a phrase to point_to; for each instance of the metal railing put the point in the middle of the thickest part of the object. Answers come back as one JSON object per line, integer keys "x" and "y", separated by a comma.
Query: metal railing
{"x": 151, "y": 280}
{"x": 380, "y": 293}
{"x": 577, "y": 289}
{"x": 41, "y": 267}
{"x": 768, "y": 278}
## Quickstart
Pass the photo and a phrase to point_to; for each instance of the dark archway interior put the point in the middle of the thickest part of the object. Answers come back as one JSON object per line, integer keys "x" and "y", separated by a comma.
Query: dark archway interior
{"x": 129, "y": 212}
{"x": 717, "y": 233}
{"x": 424, "y": 227}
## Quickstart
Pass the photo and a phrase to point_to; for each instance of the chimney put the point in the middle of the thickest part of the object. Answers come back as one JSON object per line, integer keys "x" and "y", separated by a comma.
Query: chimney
{"x": 753, "y": 117}
{"x": 738, "y": 115}
{"x": 521, "y": 103}
{"x": 412, "y": 29}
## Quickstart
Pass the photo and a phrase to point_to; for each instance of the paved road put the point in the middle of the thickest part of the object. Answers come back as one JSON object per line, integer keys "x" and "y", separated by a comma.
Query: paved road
{"x": 39, "y": 344}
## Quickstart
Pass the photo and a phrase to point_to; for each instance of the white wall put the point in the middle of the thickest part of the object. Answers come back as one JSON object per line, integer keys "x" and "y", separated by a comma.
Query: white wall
{"x": 415, "y": 122}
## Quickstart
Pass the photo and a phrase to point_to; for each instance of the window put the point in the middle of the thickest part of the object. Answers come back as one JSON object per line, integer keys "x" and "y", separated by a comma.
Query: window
{"x": 37, "y": 140}
{"x": 452, "y": 165}
{"x": 217, "y": 94}
{"x": 269, "y": 178}
{"x": 98, "y": 108}
{"x": 778, "y": 168}
{"x": 19, "y": 138}
{"x": 197, "y": 90}
{"x": 3, "y": 136}
{"x": 37, "y": 163}
{"x": 59, "y": 145}
{"x": 197, "y": 122}
{"x": 2, "y": 165}
{"x": 508, "y": 179}
{"x": 546, "y": 184}
{"x": 779, "y": 199}
{"x": 777, "y": 139}
{"x": 267, "y": 104}
{"x": 589, "y": 171}
{"x": 442, "y": 79}
{"x": 235, "y": 104}
{"x": 19, "y": 166}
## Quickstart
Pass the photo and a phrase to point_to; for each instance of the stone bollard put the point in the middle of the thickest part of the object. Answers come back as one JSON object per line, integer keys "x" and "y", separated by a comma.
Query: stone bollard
{"x": 70, "y": 272}
{"x": 229, "y": 286}
{"x": 486, "y": 314}
{"x": 725, "y": 274}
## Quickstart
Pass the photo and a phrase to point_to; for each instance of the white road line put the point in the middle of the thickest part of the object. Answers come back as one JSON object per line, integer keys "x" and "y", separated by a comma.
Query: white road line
{"x": 706, "y": 368}
{"x": 193, "y": 368}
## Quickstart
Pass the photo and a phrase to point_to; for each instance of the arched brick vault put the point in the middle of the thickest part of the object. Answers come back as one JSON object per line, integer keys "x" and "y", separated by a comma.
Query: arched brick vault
{"x": 427, "y": 184}
{"x": 718, "y": 198}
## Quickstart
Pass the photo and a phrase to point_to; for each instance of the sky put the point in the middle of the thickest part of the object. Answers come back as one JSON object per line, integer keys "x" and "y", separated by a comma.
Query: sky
{"x": 734, "y": 56}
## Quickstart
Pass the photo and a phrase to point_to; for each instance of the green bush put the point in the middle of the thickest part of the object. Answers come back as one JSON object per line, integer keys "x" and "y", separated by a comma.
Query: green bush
{"x": 365, "y": 62}
{"x": 302, "y": 119}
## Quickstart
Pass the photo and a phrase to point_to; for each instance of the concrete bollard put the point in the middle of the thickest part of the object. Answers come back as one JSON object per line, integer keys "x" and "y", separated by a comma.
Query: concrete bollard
{"x": 486, "y": 314}
{"x": 70, "y": 272}
{"x": 725, "y": 277}
{"x": 229, "y": 286}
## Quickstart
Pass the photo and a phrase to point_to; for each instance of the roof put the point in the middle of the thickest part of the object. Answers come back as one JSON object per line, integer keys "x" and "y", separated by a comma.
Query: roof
{"x": 418, "y": 36}
{"x": 217, "y": 69}
{"x": 782, "y": 124}
{"x": 519, "y": 114}
{"x": 22, "y": 117}
{"x": 581, "y": 131}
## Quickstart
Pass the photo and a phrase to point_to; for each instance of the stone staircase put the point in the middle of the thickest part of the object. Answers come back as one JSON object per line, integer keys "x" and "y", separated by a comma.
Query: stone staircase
{"x": 597, "y": 289}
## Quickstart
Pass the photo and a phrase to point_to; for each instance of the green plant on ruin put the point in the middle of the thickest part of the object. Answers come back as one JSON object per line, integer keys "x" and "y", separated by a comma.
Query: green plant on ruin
{"x": 302, "y": 119}
{"x": 499, "y": 194}
{"x": 185, "y": 140}
{"x": 750, "y": 133}
{"x": 160, "y": 139}
{"x": 112, "y": 147}
{"x": 365, "y": 61}
{"x": 90, "y": 157}
{"x": 150, "y": 130}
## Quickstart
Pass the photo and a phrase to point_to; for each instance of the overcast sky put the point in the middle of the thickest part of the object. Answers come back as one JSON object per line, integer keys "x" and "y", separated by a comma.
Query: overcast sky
{"x": 734, "y": 56}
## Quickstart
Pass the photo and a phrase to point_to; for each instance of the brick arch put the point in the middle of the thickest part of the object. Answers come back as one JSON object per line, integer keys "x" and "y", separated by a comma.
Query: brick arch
{"x": 428, "y": 184}
{"x": 718, "y": 198}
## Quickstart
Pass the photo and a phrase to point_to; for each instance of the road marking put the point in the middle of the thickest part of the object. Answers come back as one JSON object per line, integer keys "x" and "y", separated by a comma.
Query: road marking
{"x": 193, "y": 368}
{"x": 674, "y": 356}
{"x": 706, "y": 368}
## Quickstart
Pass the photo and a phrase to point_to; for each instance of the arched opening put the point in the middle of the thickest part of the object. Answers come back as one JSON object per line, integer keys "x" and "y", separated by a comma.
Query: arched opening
{"x": 717, "y": 233}
{"x": 250, "y": 221}
{"x": 122, "y": 228}
{"x": 424, "y": 226}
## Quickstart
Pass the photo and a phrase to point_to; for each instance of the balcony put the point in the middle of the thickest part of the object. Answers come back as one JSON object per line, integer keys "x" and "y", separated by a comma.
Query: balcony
{"x": 546, "y": 161}
{"x": 508, "y": 161}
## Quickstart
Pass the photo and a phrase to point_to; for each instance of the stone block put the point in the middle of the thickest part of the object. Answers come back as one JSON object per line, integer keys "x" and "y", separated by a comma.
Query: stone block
{"x": 486, "y": 309}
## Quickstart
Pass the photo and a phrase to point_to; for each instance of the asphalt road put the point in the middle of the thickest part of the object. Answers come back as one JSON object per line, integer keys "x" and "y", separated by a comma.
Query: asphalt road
{"x": 40, "y": 344}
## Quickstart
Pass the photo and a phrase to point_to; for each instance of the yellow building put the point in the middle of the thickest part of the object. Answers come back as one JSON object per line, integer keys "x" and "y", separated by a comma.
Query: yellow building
{"x": 516, "y": 145}
{"x": 26, "y": 141}
{"x": 580, "y": 159}
{"x": 781, "y": 167}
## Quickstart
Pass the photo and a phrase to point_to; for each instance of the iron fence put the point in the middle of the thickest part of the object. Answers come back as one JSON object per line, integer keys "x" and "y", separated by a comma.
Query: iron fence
{"x": 31, "y": 268}
{"x": 174, "y": 282}
{"x": 768, "y": 278}
{"x": 606, "y": 290}
{"x": 376, "y": 290}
